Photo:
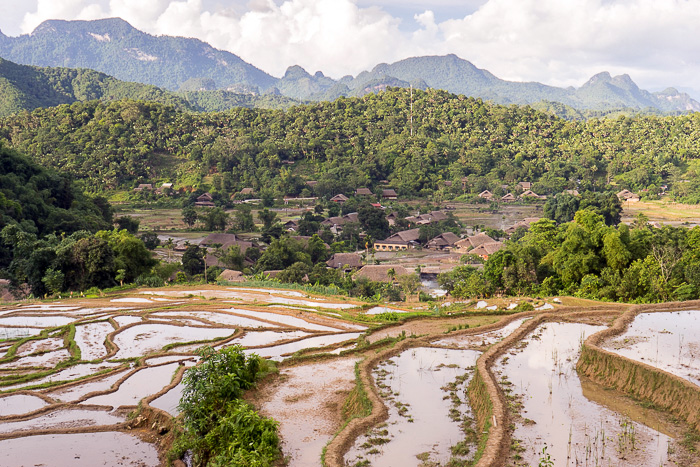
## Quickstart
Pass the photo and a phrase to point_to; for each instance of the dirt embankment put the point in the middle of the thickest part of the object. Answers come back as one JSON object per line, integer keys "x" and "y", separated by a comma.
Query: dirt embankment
{"x": 639, "y": 380}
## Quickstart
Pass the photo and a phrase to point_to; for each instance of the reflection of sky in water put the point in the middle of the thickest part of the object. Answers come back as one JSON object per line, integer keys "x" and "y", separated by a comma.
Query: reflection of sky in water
{"x": 667, "y": 340}
{"x": 416, "y": 379}
{"x": 544, "y": 374}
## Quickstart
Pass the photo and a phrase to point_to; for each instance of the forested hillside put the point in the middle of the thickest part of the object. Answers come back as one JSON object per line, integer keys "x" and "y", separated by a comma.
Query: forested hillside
{"x": 357, "y": 142}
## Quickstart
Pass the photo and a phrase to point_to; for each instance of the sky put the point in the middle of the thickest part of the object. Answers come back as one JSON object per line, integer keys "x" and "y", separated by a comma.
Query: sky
{"x": 556, "y": 42}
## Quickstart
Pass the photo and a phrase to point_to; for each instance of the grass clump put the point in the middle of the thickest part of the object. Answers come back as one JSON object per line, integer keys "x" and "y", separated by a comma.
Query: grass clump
{"x": 219, "y": 428}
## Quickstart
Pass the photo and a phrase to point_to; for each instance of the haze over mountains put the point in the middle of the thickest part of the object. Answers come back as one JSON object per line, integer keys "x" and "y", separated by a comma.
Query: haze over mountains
{"x": 114, "y": 47}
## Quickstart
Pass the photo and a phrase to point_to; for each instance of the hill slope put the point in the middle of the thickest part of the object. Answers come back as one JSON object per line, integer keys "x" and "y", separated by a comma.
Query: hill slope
{"x": 114, "y": 47}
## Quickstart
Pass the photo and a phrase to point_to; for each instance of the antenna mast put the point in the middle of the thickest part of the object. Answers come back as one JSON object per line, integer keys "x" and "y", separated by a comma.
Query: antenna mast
{"x": 411, "y": 110}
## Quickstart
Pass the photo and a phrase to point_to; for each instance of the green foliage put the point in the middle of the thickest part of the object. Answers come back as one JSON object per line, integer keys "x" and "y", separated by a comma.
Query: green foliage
{"x": 219, "y": 427}
{"x": 193, "y": 260}
{"x": 588, "y": 258}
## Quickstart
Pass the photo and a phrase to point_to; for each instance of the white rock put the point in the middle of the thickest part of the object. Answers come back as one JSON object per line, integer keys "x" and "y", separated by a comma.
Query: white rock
{"x": 546, "y": 306}
{"x": 481, "y": 304}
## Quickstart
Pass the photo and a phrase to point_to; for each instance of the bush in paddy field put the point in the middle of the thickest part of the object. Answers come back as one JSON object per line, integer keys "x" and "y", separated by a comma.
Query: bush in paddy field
{"x": 219, "y": 427}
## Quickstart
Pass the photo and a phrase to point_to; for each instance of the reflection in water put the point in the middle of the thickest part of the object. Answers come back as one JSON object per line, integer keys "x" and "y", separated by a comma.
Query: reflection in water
{"x": 555, "y": 413}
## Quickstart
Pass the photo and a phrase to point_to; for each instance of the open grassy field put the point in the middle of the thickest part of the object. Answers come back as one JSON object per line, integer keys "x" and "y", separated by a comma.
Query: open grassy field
{"x": 664, "y": 211}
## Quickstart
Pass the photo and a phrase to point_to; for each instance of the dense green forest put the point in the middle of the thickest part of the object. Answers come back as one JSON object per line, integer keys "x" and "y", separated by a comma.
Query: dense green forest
{"x": 350, "y": 143}
{"x": 54, "y": 238}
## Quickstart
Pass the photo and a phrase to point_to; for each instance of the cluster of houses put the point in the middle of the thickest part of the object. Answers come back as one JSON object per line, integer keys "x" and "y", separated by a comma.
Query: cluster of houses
{"x": 510, "y": 197}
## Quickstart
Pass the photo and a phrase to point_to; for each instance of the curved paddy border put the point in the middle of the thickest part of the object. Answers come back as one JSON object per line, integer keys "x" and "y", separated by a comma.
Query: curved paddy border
{"x": 486, "y": 398}
{"x": 666, "y": 391}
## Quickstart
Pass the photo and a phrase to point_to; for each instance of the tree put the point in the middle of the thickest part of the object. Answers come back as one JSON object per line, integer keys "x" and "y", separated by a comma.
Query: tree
{"x": 128, "y": 223}
{"x": 216, "y": 219}
{"x": 189, "y": 216}
{"x": 193, "y": 260}
{"x": 268, "y": 218}
{"x": 409, "y": 283}
{"x": 373, "y": 221}
{"x": 232, "y": 258}
{"x": 243, "y": 221}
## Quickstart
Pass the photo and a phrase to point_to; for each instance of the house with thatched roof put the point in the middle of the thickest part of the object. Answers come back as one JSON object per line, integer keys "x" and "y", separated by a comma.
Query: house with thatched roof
{"x": 380, "y": 272}
{"x": 205, "y": 200}
{"x": 508, "y": 198}
{"x": 572, "y": 192}
{"x": 291, "y": 225}
{"x": 525, "y": 185}
{"x": 225, "y": 241}
{"x": 247, "y": 192}
{"x": 626, "y": 195}
{"x": 444, "y": 241}
{"x": 487, "y": 249}
{"x": 345, "y": 261}
{"x": 399, "y": 241}
{"x": 339, "y": 198}
{"x": 486, "y": 194}
{"x": 523, "y": 223}
{"x": 229, "y": 275}
{"x": 363, "y": 192}
{"x": 466, "y": 245}
{"x": 389, "y": 193}
{"x": 531, "y": 194}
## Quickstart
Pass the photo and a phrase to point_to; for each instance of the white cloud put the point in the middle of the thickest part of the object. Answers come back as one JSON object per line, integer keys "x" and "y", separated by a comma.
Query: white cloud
{"x": 553, "y": 41}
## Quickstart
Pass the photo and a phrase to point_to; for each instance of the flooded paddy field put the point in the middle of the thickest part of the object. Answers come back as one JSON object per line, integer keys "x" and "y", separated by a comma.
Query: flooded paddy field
{"x": 424, "y": 390}
{"x": 669, "y": 341}
{"x": 93, "y": 379}
{"x": 80, "y": 369}
{"x": 558, "y": 416}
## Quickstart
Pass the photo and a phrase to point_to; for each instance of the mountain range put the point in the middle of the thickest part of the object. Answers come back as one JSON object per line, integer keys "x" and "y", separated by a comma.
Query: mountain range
{"x": 114, "y": 47}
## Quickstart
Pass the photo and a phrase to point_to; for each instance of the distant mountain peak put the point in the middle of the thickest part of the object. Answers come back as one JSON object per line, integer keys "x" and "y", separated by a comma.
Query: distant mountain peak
{"x": 296, "y": 72}
{"x": 602, "y": 77}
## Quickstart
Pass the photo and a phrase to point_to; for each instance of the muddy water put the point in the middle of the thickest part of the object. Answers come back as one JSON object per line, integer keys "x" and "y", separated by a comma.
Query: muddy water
{"x": 420, "y": 429}
{"x": 15, "y": 333}
{"x": 49, "y": 321}
{"x": 79, "y": 450}
{"x": 254, "y": 339}
{"x": 90, "y": 339}
{"x": 276, "y": 352}
{"x": 169, "y": 401}
{"x": 45, "y": 360}
{"x": 40, "y": 345}
{"x": 77, "y": 391}
{"x": 479, "y": 340}
{"x": 306, "y": 401}
{"x": 147, "y": 338}
{"x": 63, "y": 419}
{"x": 555, "y": 413}
{"x": 19, "y": 404}
{"x": 378, "y": 310}
{"x": 283, "y": 319}
{"x": 69, "y": 374}
{"x": 125, "y": 320}
{"x": 254, "y": 295}
{"x": 219, "y": 318}
{"x": 669, "y": 341}
{"x": 141, "y": 384}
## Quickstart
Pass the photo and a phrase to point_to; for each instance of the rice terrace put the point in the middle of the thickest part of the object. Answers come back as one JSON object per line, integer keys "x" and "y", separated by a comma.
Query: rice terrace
{"x": 519, "y": 382}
